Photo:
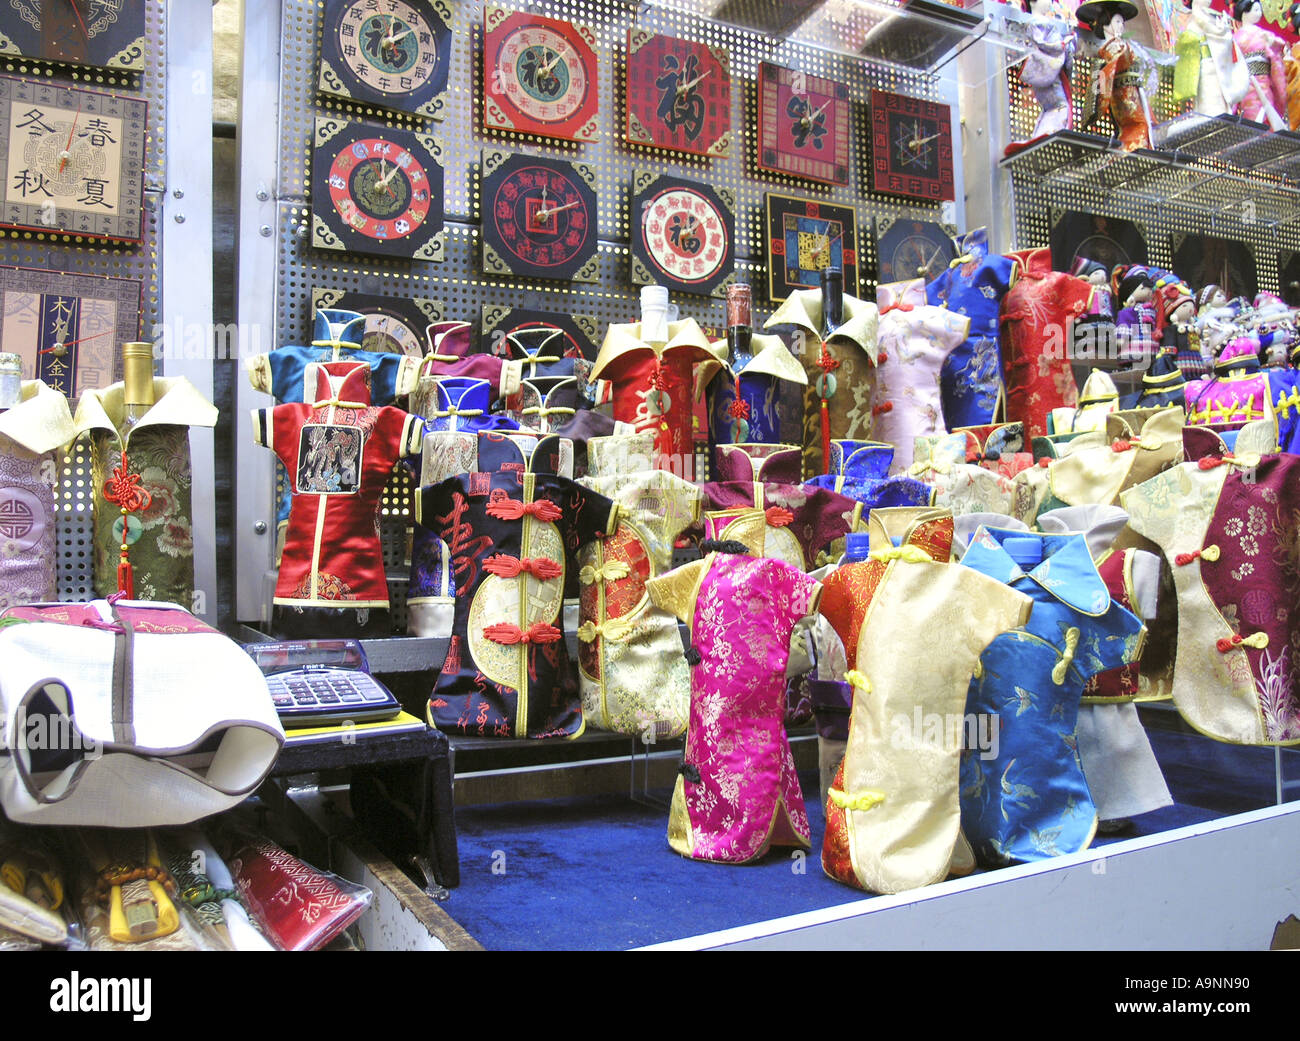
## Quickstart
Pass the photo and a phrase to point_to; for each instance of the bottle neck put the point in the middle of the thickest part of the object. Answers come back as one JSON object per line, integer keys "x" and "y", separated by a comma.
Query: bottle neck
{"x": 137, "y": 384}
{"x": 11, "y": 389}
{"x": 832, "y": 283}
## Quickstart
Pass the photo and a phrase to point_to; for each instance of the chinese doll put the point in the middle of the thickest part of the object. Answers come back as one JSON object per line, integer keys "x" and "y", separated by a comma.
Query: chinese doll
{"x": 1208, "y": 70}
{"x": 1262, "y": 50}
{"x": 1093, "y": 333}
{"x": 1047, "y": 70}
{"x": 1135, "y": 325}
{"x": 1125, "y": 79}
{"x": 1292, "y": 66}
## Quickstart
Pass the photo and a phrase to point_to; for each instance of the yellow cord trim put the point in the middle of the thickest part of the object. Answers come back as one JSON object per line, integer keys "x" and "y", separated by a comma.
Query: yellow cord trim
{"x": 454, "y": 411}
{"x": 1257, "y": 640}
{"x": 611, "y": 629}
{"x": 559, "y": 410}
{"x": 979, "y": 669}
{"x": 911, "y": 554}
{"x": 1210, "y": 553}
{"x": 916, "y": 469}
{"x": 336, "y": 403}
{"x": 611, "y": 570}
{"x": 867, "y": 800}
{"x": 1067, "y": 656}
{"x": 1287, "y": 402}
{"x": 858, "y": 681}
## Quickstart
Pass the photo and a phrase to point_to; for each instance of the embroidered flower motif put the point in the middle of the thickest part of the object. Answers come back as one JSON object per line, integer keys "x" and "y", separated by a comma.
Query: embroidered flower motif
{"x": 1246, "y": 568}
{"x": 1233, "y": 526}
{"x": 10, "y": 548}
{"x": 176, "y": 539}
{"x": 164, "y": 503}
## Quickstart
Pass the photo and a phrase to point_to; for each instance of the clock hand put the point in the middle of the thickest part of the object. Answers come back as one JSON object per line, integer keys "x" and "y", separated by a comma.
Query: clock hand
{"x": 933, "y": 257}
{"x": 916, "y": 143}
{"x": 66, "y": 154}
{"x": 543, "y": 214}
{"x": 809, "y": 119}
{"x": 61, "y": 348}
{"x": 687, "y": 86}
{"x": 390, "y": 40}
{"x": 546, "y": 69}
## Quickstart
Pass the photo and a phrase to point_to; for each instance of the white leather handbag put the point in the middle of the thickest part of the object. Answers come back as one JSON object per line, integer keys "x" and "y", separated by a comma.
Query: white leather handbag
{"x": 127, "y": 714}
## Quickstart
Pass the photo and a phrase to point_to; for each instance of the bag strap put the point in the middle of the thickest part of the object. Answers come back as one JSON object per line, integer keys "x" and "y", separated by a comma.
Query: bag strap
{"x": 123, "y": 678}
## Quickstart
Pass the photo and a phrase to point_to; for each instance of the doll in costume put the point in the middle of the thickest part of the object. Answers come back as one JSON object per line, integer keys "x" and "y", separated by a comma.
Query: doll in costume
{"x": 1093, "y": 332}
{"x": 1180, "y": 336}
{"x": 1262, "y": 50}
{"x": 1136, "y": 322}
{"x": 1291, "y": 65}
{"x": 1047, "y": 70}
{"x": 1208, "y": 71}
{"x": 1126, "y": 77}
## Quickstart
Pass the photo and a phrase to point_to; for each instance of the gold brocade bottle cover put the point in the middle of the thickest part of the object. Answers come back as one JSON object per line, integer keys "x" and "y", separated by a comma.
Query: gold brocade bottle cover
{"x": 128, "y": 491}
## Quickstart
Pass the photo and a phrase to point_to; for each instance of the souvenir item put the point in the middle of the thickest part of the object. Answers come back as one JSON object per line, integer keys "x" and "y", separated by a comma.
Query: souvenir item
{"x": 1036, "y": 313}
{"x": 1180, "y": 336}
{"x": 396, "y": 56}
{"x": 914, "y": 339}
{"x": 859, "y": 469}
{"x": 105, "y": 35}
{"x": 1261, "y": 49}
{"x": 539, "y": 75}
{"x": 394, "y": 325}
{"x": 1227, "y": 525}
{"x": 1240, "y": 391}
{"x": 457, "y": 403}
{"x": 31, "y": 434}
{"x": 892, "y": 820}
{"x": 539, "y": 217}
{"x": 840, "y": 369}
{"x": 339, "y": 451}
{"x": 66, "y": 327}
{"x": 72, "y": 160}
{"x": 957, "y": 485}
{"x": 142, "y": 480}
{"x": 803, "y": 238}
{"x": 741, "y": 612}
{"x": 678, "y": 94}
{"x": 1030, "y": 800}
{"x": 448, "y": 355}
{"x": 824, "y": 688}
{"x": 161, "y": 719}
{"x": 1098, "y": 398}
{"x": 803, "y": 125}
{"x": 750, "y": 503}
{"x": 652, "y": 384}
{"x": 1163, "y": 384}
{"x": 526, "y": 334}
{"x": 998, "y": 447}
{"x": 513, "y": 527}
{"x": 633, "y": 677}
{"x": 547, "y": 402}
{"x": 1093, "y": 333}
{"x": 1292, "y": 66}
{"x": 683, "y": 233}
{"x": 911, "y": 149}
{"x": 1126, "y": 79}
{"x": 1209, "y": 70}
{"x": 1047, "y": 70}
{"x": 1135, "y": 324}
{"x": 908, "y": 249}
{"x": 973, "y": 286}
{"x": 376, "y": 190}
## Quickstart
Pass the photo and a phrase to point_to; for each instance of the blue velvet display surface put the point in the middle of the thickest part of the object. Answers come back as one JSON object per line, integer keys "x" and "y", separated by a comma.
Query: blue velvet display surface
{"x": 597, "y": 873}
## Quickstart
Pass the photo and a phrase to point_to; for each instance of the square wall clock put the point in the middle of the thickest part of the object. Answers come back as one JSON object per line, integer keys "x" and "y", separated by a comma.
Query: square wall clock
{"x": 561, "y": 335}
{"x": 539, "y": 75}
{"x": 108, "y": 34}
{"x": 73, "y": 160}
{"x": 683, "y": 234}
{"x": 803, "y": 236}
{"x": 394, "y": 325}
{"x": 907, "y": 249}
{"x": 911, "y": 147}
{"x": 678, "y": 94}
{"x": 803, "y": 125}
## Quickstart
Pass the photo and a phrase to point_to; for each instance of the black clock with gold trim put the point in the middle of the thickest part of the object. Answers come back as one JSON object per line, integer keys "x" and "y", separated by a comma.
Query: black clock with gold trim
{"x": 907, "y": 249}
{"x": 683, "y": 233}
{"x": 393, "y": 53}
{"x": 804, "y": 236}
{"x": 539, "y": 217}
{"x": 376, "y": 190}
{"x": 394, "y": 325}
{"x": 564, "y": 335}
{"x": 106, "y": 34}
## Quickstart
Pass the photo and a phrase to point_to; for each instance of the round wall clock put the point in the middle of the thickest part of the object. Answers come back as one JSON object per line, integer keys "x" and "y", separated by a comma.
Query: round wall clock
{"x": 803, "y": 125}
{"x": 393, "y": 54}
{"x": 907, "y": 249}
{"x": 394, "y": 325}
{"x": 911, "y": 147}
{"x": 683, "y": 233}
{"x": 539, "y": 217}
{"x": 376, "y": 190}
{"x": 678, "y": 94}
{"x": 107, "y": 34}
{"x": 539, "y": 75}
{"x": 565, "y": 335}
{"x": 803, "y": 237}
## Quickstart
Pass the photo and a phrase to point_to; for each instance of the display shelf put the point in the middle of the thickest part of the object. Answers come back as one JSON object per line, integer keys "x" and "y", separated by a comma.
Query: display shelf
{"x": 1205, "y": 136}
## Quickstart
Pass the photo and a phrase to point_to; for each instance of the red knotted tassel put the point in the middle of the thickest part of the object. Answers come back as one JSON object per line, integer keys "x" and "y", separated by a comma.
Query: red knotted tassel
{"x": 510, "y": 567}
{"x": 882, "y": 408}
{"x": 506, "y": 633}
{"x": 1209, "y": 462}
{"x": 778, "y": 516}
{"x": 513, "y": 509}
{"x": 126, "y": 579}
{"x": 1120, "y": 446}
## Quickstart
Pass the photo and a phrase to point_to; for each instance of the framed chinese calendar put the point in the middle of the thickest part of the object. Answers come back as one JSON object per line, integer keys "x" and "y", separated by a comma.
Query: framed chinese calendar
{"x": 67, "y": 327}
{"x": 678, "y": 94}
{"x": 803, "y": 236}
{"x": 539, "y": 217}
{"x": 683, "y": 233}
{"x": 539, "y": 75}
{"x": 803, "y": 125}
{"x": 73, "y": 160}
{"x": 911, "y": 147}
{"x": 376, "y": 190}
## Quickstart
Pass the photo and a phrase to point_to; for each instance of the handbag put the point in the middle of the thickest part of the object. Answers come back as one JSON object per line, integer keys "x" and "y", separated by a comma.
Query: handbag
{"x": 127, "y": 714}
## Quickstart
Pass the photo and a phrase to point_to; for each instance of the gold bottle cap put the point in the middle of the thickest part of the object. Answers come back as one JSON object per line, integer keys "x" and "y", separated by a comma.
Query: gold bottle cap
{"x": 137, "y": 375}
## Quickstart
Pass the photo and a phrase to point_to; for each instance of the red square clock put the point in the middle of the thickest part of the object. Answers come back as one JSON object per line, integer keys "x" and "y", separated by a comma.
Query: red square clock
{"x": 803, "y": 125}
{"x": 911, "y": 147}
{"x": 678, "y": 94}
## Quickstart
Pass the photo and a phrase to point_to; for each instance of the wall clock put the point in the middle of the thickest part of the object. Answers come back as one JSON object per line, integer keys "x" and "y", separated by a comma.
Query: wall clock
{"x": 911, "y": 147}
{"x": 575, "y": 334}
{"x": 802, "y": 237}
{"x": 108, "y": 34}
{"x": 803, "y": 125}
{"x": 73, "y": 160}
{"x": 539, "y": 217}
{"x": 393, "y": 53}
{"x": 539, "y": 75}
{"x": 67, "y": 327}
{"x": 1208, "y": 260}
{"x": 907, "y": 249}
{"x": 1107, "y": 240}
{"x": 394, "y": 325}
{"x": 678, "y": 94}
{"x": 376, "y": 190}
{"x": 683, "y": 233}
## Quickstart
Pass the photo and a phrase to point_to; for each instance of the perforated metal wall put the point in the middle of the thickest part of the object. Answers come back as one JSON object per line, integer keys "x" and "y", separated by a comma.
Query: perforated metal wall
{"x": 85, "y": 256}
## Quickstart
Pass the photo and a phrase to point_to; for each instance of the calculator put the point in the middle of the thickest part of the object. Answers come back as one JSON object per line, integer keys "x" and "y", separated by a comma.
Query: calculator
{"x": 322, "y": 683}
